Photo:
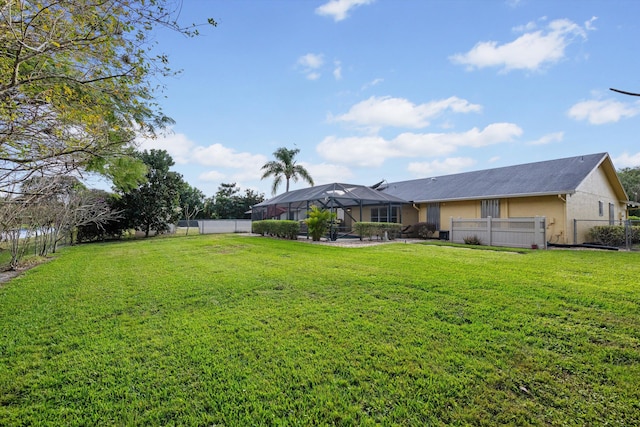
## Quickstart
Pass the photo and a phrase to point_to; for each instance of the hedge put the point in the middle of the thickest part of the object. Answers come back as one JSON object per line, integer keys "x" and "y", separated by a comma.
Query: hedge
{"x": 613, "y": 235}
{"x": 370, "y": 229}
{"x": 285, "y": 229}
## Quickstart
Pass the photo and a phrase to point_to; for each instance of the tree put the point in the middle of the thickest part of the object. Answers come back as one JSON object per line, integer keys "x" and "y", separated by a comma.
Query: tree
{"x": 630, "y": 179}
{"x": 154, "y": 205}
{"x": 77, "y": 85}
{"x": 228, "y": 203}
{"x": 285, "y": 167}
{"x": 191, "y": 202}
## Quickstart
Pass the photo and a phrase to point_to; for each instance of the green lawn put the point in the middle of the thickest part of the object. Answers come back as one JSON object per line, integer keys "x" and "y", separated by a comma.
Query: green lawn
{"x": 233, "y": 330}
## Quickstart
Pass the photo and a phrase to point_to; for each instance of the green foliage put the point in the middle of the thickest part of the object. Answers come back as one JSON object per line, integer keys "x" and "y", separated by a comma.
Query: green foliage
{"x": 472, "y": 240}
{"x": 238, "y": 331}
{"x": 318, "y": 222}
{"x": 229, "y": 203}
{"x": 423, "y": 230}
{"x": 377, "y": 229}
{"x": 613, "y": 235}
{"x": 77, "y": 83}
{"x": 285, "y": 167}
{"x": 154, "y": 205}
{"x": 630, "y": 179}
{"x": 285, "y": 229}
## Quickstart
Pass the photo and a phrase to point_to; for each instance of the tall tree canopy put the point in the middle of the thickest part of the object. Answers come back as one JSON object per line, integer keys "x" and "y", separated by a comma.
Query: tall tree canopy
{"x": 154, "y": 205}
{"x": 229, "y": 203}
{"x": 630, "y": 179}
{"x": 75, "y": 87}
{"x": 285, "y": 166}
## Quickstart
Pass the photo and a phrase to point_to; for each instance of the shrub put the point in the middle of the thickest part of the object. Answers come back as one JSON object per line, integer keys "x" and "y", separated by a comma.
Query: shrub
{"x": 370, "y": 229}
{"x": 472, "y": 240}
{"x": 423, "y": 230}
{"x": 318, "y": 221}
{"x": 613, "y": 235}
{"x": 426, "y": 230}
{"x": 285, "y": 229}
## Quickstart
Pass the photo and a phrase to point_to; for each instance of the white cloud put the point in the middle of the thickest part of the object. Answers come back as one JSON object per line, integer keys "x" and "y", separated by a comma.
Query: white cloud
{"x": 184, "y": 151}
{"x": 531, "y": 51}
{"x": 339, "y": 9}
{"x": 359, "y": 151}
{"x": 437, "y": 167}
{"x": 217, "y": 155}
{"x": 548, "y": 139}
{"x": 377, "y": 112}
{"x": 323, "y": 173}
{"x": 311, "y": 60}
{"x": 211, "y": 176}
{"x": 627, "y": 160}
{"x": 372, "y": 151}
{"x": 177, "y": 145}
{"x": 599, "y": 112}
{"x": 372, "y": 83}
{"x": 310, "y": 64}
{"x": 337, "y": 70}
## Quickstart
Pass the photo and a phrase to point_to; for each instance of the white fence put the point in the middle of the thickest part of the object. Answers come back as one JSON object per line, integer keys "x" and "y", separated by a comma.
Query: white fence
{"x": 512, "y": 232}
{"x": 220, "y": 226}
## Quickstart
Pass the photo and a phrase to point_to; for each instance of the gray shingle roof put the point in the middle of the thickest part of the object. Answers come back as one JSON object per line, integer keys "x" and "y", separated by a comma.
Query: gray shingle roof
{"x": 560, "y": 176}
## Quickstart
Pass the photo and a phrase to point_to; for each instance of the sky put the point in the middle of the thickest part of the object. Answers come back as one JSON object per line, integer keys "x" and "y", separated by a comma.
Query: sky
{"x": 372, "y": 90}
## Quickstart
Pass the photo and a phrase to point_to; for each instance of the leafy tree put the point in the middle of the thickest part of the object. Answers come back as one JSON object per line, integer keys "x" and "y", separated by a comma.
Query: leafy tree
{"x": 191, "y": 202}
{"x": 630, "y": 179}
{"x": 285, "y": 167}
{"x": 77, "y": 85}
{"x": 228, "y": 202}
{"x": 154, "y": 205}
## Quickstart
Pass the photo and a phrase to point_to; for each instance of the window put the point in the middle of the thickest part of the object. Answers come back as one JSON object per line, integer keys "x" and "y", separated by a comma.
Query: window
{"x": 490, "y": 208}
{"x": 611, "y": 214}
{"x": 433, "y": 214}
{"x": 601, "y": 208}
{"x": 382, "y": 214}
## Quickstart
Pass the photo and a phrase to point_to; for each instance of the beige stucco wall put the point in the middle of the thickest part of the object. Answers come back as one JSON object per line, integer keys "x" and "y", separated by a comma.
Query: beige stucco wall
{"x": 583, "y": 205}
{"x": 462, "y": 209}
{"x": 550, "y": 207}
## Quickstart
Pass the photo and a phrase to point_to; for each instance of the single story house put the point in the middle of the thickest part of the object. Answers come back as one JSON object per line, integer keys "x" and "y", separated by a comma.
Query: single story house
{"x": 573, "y": 194}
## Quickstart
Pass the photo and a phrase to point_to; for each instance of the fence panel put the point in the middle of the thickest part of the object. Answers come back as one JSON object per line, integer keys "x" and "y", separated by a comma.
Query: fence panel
{"x": 220, "y": 226}
{"x": 512, "y": 232}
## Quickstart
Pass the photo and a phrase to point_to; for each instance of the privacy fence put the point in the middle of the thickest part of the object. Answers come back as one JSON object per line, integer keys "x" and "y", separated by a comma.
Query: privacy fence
{"x": 511, "y": 232}
{"x": 219, "y": 226}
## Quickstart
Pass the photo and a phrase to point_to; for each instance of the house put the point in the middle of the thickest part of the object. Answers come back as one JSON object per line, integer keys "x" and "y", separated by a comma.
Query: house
{"x": 573, "y": 194}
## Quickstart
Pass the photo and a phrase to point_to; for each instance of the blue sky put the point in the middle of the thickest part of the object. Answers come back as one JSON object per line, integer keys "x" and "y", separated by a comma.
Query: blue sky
{"x": 398, "y": 89}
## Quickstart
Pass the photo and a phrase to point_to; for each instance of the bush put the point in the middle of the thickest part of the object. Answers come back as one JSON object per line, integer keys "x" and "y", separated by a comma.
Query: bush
{"x": 318, "y": 222}
{"x": 370, "y": 229}
{"x": 285, "y": 229}
{"x": 472, "y": 240}
{"x": 423, "y": 230}
{"x": 613, "y": 235}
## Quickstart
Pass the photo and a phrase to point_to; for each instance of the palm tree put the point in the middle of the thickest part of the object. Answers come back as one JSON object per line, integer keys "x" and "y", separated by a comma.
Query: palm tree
{"x": 285, "y": 166}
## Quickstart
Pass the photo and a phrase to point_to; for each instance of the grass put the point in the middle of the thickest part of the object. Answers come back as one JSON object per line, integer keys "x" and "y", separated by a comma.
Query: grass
{"x": 233, "y": 330}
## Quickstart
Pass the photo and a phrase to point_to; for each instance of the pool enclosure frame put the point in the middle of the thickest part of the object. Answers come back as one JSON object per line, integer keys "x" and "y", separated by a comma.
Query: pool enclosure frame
{"x": 347, "y": 201}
